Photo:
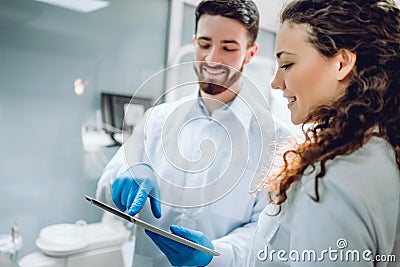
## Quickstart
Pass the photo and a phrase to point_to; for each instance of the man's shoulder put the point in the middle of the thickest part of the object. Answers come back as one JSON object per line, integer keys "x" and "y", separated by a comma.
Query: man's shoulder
{"x": 163, "y": 110}
{"x": 282, "y": 128}
{"x": 172, "y": 105}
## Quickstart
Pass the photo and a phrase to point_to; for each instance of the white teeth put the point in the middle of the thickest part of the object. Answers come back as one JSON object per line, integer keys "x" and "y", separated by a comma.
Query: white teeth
{"x": 213, "y": 72}
{"x": 291, "y": 99}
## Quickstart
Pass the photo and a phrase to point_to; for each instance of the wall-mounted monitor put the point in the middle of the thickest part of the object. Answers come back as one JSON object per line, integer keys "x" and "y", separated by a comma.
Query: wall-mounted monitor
{"x": 122, "y": 112}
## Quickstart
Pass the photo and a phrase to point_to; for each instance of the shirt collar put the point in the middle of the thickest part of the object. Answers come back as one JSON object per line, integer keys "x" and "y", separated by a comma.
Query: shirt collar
{"x": 204, "y": 109}
{"x": 238, "y": 106}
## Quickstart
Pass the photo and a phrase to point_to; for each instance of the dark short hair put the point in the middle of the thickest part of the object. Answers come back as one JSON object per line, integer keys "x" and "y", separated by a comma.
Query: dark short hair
{"x": 244, "y": 11}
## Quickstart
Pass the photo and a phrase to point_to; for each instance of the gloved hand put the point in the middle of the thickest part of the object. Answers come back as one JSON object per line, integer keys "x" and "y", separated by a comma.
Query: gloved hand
{"x": 131, "y": 189}
{"x": 182, "y": 255}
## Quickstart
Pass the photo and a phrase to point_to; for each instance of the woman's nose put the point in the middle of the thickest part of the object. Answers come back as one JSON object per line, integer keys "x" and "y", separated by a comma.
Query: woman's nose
{"x": 278, "y": 82}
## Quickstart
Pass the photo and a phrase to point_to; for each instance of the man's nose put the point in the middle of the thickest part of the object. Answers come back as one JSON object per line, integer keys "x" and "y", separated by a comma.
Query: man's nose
{"x": 214, "y": 57}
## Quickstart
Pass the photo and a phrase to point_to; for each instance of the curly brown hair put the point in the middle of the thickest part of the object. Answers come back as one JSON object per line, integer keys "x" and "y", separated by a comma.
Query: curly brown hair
{"x": 371, "y": 104}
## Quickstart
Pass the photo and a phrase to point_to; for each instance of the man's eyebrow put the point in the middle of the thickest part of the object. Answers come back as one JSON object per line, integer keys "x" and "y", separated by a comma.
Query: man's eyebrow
{"x": 203, "y": 38}
{"x": 224, "y": 41}
{"x": 230, "y": 42}
{"x": 279, "y": 54}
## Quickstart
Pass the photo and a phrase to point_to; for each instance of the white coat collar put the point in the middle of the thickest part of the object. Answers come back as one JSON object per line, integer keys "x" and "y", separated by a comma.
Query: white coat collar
{"x": 240, "y": 107}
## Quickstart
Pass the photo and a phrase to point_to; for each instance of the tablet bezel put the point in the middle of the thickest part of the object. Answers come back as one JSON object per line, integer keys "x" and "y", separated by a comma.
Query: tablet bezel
{"x": 151, "y": 227}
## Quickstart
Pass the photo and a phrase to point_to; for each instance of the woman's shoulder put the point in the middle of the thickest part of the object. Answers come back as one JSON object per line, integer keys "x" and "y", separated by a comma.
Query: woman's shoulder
{"x": 374, "y": 159}
{"x": 370, "y": 169}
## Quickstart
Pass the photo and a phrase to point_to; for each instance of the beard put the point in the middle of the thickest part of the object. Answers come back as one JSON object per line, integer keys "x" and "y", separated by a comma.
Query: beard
{"x": 214, "y": 86}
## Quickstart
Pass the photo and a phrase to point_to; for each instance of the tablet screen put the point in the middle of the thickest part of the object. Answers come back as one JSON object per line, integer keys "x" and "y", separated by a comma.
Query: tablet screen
{"x": 152, "y": 228}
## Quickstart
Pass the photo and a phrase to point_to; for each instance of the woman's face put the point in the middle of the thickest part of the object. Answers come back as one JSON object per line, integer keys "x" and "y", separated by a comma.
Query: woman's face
{"x": 306, "y": 78}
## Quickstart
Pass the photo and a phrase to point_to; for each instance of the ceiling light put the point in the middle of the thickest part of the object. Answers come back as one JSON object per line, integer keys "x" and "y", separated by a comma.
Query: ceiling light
{"x": 84, "y": 6}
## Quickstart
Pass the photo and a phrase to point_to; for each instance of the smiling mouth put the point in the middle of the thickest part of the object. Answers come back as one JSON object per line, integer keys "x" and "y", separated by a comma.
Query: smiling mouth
{"x": 214, "y": 71}
{"x": 291, "y": 99}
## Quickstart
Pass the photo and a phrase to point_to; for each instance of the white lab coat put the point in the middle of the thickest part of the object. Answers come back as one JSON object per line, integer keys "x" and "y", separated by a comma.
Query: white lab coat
{"x": 358, "y": 211}
{"x": 215, "y": 200}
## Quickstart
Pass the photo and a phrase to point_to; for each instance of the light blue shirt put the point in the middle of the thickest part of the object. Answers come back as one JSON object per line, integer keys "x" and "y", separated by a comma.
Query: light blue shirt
{"x": 358, "y": 212}
{"x": 204, "y": 164}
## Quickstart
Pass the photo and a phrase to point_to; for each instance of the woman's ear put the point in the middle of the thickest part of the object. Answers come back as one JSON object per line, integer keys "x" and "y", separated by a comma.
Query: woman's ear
{"x": 345, "y": 63}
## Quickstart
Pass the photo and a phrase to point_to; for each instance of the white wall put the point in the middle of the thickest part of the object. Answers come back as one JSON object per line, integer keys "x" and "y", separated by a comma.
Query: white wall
{"x": 44, "y": 171}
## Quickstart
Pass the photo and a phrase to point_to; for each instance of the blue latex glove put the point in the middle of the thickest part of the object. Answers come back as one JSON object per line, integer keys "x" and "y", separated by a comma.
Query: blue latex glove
{"x": 131, "y": 189}
{"x": 182, "y": 255}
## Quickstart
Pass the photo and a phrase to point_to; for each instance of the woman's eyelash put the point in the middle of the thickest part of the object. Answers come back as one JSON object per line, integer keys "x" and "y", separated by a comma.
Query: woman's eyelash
{"x": 286, "y": 66}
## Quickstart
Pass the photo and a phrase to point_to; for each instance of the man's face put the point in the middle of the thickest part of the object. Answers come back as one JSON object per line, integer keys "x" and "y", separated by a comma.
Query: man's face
{"x": 221, "y": 51}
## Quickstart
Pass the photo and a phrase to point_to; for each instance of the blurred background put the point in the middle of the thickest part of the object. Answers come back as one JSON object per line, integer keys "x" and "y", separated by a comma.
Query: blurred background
{"x": 67, "y": 68}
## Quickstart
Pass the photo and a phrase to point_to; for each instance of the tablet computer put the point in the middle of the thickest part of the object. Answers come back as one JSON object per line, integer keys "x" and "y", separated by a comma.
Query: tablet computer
{"x": 152, "y": 228}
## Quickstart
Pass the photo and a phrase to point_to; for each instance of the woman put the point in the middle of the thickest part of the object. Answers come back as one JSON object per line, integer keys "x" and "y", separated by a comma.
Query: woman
{"x": 336, "y": 200}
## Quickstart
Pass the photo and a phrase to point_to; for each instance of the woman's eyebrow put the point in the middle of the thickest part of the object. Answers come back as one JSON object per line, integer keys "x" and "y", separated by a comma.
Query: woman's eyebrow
{"x": 279, "y": 54}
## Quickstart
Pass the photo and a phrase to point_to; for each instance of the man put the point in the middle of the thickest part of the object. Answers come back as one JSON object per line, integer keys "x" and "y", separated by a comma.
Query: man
{"x": 198, "y": 155}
